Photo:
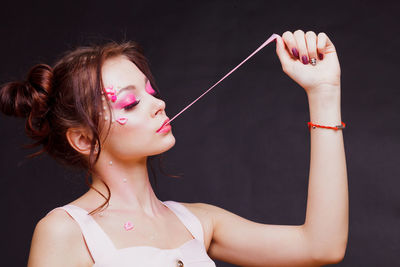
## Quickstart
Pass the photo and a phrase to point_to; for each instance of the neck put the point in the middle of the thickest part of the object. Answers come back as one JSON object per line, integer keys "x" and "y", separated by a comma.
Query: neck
{"x": 129, "y": 185}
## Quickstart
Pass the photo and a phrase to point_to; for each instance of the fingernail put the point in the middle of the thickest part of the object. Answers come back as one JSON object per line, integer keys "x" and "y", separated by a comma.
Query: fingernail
{"x": 295, "y": 53}
{"x": 305, "y": 60}
{"x": 320, "y": 56}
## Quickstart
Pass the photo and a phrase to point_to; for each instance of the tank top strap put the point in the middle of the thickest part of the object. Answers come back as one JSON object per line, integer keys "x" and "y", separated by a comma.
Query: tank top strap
{"x": 191, "y": 222}
{"x": 97, "y": 241}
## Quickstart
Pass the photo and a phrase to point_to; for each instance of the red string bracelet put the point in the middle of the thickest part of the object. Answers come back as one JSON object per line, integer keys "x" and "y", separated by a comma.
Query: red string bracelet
{"x": 337, "y": 127}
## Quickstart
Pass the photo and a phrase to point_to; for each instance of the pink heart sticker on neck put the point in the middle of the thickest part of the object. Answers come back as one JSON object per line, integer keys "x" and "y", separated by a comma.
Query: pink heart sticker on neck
{"x": 128, "y": 226}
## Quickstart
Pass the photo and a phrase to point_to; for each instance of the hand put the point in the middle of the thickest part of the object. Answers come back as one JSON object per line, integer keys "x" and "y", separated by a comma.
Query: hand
{"x": 295, "y": 51}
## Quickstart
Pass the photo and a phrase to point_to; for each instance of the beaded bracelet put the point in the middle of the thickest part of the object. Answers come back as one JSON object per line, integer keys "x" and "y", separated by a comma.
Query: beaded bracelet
{"x": 337, "y": 127}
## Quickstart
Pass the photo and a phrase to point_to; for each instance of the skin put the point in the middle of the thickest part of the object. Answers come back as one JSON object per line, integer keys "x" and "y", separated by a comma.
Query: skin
{"x": 320, "y": 240}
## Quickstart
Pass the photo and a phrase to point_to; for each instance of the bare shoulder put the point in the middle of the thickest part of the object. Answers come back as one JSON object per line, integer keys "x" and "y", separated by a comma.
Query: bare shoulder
{"x": 57, "y": 241}
{"x": 57, "y": 223}
{"x": 206, "y": 213}
{"x": 203, "y": 210}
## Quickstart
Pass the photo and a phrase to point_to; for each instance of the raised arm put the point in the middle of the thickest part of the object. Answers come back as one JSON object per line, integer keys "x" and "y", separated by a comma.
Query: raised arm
{"x": 322, "y": 238}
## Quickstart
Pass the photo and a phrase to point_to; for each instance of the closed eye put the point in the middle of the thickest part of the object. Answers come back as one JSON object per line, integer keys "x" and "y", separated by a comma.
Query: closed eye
{"x": 130, "y": 106}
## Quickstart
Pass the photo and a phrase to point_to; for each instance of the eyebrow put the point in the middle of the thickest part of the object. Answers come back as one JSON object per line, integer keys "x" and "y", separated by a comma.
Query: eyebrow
{"x": 126, "y": 88}
{"x": 130, "y": 87}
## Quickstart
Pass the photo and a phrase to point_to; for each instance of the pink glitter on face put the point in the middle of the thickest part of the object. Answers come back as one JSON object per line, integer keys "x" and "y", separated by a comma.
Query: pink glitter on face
{"x": 111, "y": 93}
{"x": 149, "y": 89}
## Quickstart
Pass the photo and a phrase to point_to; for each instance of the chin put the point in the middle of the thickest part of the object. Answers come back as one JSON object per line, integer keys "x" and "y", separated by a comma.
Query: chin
{"x": 168, "y": 143}
{"x": 171, "y": 143}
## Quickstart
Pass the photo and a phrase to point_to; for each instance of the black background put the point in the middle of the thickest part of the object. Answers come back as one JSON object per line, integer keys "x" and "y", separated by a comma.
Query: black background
{"x": 245, "y": 146}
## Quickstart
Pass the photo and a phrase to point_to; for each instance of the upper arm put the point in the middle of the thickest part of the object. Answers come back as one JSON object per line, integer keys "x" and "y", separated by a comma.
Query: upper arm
{"x": 246, "y": 243}
{"x": 56, "y": 241}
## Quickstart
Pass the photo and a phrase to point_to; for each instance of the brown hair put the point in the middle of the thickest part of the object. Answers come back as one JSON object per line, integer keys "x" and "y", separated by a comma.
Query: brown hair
{"x": 69, "y": 95}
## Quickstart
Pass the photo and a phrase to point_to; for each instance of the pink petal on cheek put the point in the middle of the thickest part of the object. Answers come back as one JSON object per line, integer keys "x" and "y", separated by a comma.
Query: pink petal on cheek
{"x": 122, "y": 121}
{"x": 149, "y": 89}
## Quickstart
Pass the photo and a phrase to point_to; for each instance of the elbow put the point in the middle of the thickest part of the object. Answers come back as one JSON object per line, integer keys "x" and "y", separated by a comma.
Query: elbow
{"x": 336, "y": 257}
{"x": 332, "y": 255}
{"x": 330, "y": 249}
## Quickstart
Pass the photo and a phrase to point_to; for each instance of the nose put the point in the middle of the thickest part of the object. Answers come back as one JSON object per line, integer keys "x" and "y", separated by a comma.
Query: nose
{"x": 159, "y": 107}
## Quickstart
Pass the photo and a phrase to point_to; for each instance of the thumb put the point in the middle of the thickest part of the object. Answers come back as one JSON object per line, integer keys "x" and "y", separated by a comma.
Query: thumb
{"x": 282, "y": 52}
{"x": 324, "y": 44}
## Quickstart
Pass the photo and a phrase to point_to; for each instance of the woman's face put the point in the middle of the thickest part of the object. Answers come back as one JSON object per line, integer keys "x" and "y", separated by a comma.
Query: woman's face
{"x": 136, "y": 113}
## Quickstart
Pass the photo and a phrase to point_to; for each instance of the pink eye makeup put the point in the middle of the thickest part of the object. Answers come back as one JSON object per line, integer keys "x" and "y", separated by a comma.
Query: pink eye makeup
{"x": 150, "y": 89}
{"x": 127, "y": 102}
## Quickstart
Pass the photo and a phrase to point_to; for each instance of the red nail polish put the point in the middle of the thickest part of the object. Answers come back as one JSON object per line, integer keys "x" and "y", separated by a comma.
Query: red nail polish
{"x": 295, "y": 53}
{"x": 320, "y": 56}
{"x": 304, "y": 59}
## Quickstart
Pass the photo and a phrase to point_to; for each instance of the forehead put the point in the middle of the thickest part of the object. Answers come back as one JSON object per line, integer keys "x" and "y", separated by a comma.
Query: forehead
{"x": 120, "y": 71}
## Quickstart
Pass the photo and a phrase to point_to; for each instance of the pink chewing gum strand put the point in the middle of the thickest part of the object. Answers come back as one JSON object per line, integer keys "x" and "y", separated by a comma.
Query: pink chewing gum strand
{"x": 128, "y": 226}
{"x": 269, "y": 40}
{"x": 149, "y": 89}
{"x": 122, "y": 121}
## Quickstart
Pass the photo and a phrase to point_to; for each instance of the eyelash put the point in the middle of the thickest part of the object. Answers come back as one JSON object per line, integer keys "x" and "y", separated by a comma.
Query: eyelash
{"x": 132, "y": 105}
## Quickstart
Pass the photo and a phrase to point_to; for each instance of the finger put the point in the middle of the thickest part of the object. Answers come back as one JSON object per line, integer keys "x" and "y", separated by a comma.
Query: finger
{"x": 301, "y": 46}
{"x": 324, "y": 45}
{"x": 290, "y": 42}
{"x": 321, "y": 44}
{"x": 311, "y": 40}
{"x": 283, "y": 54}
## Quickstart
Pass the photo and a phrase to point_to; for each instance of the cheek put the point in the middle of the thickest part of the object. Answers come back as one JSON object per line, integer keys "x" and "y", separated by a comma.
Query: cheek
{"x": 130, "y": 125}
{"x": 132, "y": 136}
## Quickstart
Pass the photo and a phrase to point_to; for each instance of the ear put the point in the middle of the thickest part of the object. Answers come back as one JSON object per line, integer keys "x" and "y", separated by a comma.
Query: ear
{"x": 79, "y": 139}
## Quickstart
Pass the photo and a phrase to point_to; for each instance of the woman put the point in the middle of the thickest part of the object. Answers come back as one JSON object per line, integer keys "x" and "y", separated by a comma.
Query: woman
{"x": 97, "y": 109}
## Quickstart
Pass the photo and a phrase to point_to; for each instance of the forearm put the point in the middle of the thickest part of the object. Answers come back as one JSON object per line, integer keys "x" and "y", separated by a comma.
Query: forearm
{"x": 326, "y": 223}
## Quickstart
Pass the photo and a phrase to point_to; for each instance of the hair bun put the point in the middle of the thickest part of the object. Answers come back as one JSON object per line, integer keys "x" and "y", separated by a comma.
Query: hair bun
{"x": 22, "y": 98}
{"x": 28, "y": 98}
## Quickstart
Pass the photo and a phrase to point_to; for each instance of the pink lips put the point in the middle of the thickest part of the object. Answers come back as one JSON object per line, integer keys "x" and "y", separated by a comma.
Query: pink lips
{"x": 164, "y": 127}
